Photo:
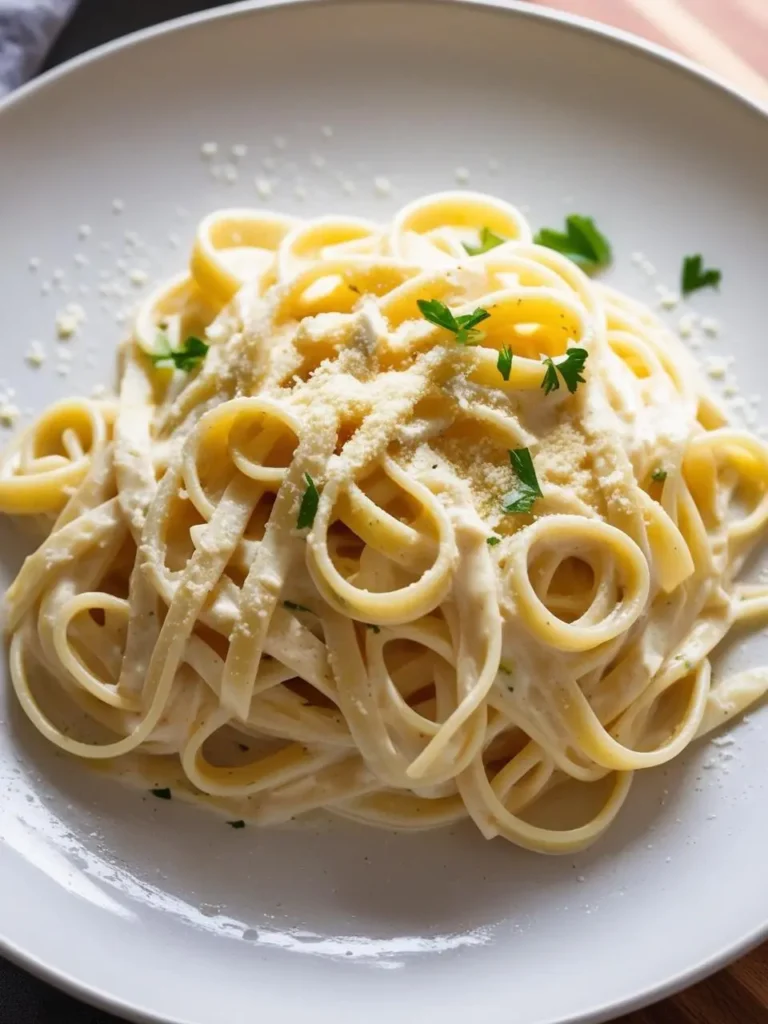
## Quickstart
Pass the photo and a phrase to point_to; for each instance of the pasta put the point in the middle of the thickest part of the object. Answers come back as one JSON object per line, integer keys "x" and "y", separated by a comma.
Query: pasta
{"x": 338, "y": 555}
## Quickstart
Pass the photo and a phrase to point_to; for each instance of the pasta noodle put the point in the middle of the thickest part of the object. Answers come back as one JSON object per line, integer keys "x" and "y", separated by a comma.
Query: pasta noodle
{"x": 283, "y": 565}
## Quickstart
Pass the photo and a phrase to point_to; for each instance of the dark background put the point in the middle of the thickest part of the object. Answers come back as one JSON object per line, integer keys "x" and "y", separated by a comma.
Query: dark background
{"x": 24, "y": 999}
{"x": 98, "y": 21}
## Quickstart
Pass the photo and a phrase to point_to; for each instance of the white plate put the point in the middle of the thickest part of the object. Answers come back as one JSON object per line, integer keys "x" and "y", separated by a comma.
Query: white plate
{"x": 162, "y": 913}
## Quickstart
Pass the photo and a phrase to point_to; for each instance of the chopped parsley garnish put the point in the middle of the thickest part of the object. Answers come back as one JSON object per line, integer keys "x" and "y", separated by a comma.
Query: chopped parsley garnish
{"x": 309, "y": 503}
{"x": 581, "y": 242}
{"x": 659, "y": 475}
{"x": 569, "y": 369}
{"x": 293, "y": 607}
{"x": 521, "y": 499}
{"x": 186, "y": 358}
{"x": 550, "y": 381}
{"x": 507, "y": 669}
{"x": 504, "y": 362}
{"x": 695, "y": 276}
{"x": 464, "y": 327}
{"x": 237, "y": 824}
{"x": 374, "y": 629}
{"x": 492, "y": 541}
{"x": 488, "y": 240}
{"x": 161, "y": 794}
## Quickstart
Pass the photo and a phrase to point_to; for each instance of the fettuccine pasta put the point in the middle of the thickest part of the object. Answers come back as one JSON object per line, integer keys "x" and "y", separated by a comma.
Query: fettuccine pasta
{"x": 324, "y": 551}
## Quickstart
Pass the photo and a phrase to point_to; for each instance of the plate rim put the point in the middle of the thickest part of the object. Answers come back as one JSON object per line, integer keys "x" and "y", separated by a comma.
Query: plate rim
{"x": 517, "y": 8}
{"x": 100, "y": 998}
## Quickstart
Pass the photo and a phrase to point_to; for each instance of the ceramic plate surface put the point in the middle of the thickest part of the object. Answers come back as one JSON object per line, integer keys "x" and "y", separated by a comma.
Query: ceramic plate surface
{"x": 160, "y": 912}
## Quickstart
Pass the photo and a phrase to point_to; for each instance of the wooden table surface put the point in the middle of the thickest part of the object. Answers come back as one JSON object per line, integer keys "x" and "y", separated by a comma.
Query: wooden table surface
{"x": 731, "y": 38}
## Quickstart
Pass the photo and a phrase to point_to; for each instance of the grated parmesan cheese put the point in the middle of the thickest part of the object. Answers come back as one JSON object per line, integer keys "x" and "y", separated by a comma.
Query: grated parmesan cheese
{"x": 9, "y": 413}
{"x": 69, "y": 320}
{"x": 138, "y": 277}
{"x": 668, "y": 299}
{"x": 687, "y": 324}
{"x": 35, "y": 355}
{"x": 717, "y": 366}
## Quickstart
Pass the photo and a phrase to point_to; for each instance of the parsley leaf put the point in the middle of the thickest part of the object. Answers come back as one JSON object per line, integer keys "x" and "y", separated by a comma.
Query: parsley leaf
{"x": 309, "y": 503}
{"x": 468, "y": 333}
{"x": 186, "y": 358}
{"x": 464, "y": 327}
{"x": 438, "y": 313}
{"x": 504, "y": 362}
{"x": 521, "y": 499}
{"x": 374, "y": 629}
{"x": 569, "y": 369}
{"x": 659, "y": 475}
{"x": 488, "y": 240}
{"x": 492, "y": 541}
{"x": 550, "y": 381}
{"x": 293, "y": 607}
{"x": 237, "y": 824}
{"x": 695, "y": 276}
{"x": 581, "y": 242}
{"x": 161, "y": 794}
